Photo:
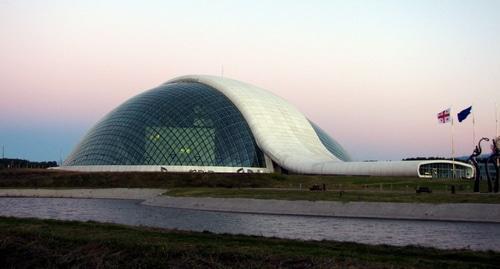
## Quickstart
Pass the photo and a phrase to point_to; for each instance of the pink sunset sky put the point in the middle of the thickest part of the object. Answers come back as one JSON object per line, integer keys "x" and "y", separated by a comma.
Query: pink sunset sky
{"x": 373, "y": 74}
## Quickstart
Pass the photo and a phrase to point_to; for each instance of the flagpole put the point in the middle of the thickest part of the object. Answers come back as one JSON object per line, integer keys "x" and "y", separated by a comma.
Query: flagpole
{"x": 452, "y": 145}
{"x": 496, "y": 130}
{"x": 473, "y": 126}
{"x": 496, "y": 119}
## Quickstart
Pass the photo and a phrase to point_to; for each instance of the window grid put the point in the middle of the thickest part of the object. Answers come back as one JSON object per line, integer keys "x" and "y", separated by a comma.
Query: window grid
{"x": 175, "y": 124}
{"x": 330, "y": 144}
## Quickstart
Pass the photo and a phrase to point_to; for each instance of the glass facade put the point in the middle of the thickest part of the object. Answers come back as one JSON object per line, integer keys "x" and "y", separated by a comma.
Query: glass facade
{"x": 445, "y": 170}
{"x": 331, "y": 145}
{"x": 184, "y": 123}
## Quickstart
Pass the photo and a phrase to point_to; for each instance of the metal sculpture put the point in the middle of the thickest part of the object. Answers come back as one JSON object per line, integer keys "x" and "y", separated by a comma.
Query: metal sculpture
{"x": 487, "y": 171}
{"x": 473, "y": 159}
{"x": 493, "y": 158}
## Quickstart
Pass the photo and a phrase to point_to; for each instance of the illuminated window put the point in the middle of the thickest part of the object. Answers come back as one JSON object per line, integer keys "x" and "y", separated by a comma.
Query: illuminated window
{"x": 173, "y": 124}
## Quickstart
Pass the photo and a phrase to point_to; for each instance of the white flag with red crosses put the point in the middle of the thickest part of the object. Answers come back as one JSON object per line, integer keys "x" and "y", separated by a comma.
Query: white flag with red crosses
{"x": 444, "y": 116}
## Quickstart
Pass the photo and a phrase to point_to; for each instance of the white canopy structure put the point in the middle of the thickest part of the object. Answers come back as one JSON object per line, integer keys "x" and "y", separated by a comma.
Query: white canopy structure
{"x": 287, "y": 140}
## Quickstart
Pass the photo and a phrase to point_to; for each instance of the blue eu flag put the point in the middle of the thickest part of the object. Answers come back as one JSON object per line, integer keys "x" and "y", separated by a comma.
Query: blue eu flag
{"x": 464, "y": 113}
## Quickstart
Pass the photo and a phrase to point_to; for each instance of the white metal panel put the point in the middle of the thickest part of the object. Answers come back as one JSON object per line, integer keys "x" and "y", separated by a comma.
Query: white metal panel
{"x": 285, "y": 134}
{"x": 166, "y": 168}
{"x": 280, "y": 130}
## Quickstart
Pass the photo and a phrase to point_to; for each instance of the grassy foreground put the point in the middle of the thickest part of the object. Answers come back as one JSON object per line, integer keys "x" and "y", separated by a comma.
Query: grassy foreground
{"x": 344, "y": 196}
{"x": 44, "y": 178}
{"x": 28, "y": 243}
{"x": 259, "y": 186}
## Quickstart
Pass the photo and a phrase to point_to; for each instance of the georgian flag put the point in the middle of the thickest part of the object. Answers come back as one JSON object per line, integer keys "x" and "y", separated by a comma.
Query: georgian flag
{"x": 444, "y": 116}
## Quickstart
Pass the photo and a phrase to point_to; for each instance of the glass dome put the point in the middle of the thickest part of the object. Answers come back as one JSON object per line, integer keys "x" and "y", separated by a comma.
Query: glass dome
{"x": 184, "y": 123}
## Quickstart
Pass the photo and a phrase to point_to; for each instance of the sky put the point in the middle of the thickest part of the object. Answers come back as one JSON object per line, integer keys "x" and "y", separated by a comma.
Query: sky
{"x": 373, "y": 74}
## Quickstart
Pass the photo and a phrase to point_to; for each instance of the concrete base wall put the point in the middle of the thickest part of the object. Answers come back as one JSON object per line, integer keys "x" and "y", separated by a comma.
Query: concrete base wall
{"x": 164, "y": 168}
{"x": 111, "y": 193}
{"x": 153, "y": 197}
{"x": 410, "y": 211}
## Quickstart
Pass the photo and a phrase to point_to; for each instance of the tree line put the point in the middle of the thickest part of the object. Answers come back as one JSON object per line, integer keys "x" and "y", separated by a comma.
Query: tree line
{"x": 20, "y": 163}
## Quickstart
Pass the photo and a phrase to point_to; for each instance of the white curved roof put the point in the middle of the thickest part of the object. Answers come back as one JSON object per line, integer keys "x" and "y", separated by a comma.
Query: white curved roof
{"x": 280, "y": 130}
{"x": 285, "y": 135}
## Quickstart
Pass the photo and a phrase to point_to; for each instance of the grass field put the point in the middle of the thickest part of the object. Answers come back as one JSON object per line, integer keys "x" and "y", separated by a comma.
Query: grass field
{"x": 342, "y": 196}
{"x": 29, "y": 178}
{"x": 260, "y": 186}
{"x": 31, "y": 243}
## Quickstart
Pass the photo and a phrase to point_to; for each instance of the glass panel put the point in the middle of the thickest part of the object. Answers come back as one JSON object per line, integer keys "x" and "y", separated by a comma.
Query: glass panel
{"x": 175, "y": 124}
{"x": 445, "y": 170}
{"x": 330, "y": 144}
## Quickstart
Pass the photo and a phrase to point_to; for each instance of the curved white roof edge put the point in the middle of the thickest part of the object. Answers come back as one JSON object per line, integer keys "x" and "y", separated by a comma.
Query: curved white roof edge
{"x": 384, "y": 168}
{"x": 377, "y": 168}
{"x": 281, "y": 131}
{"x": 285, "y": 135}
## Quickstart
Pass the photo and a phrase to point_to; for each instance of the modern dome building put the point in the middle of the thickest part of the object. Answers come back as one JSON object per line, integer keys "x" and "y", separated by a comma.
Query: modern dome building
{"x": 214, "y": 124}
